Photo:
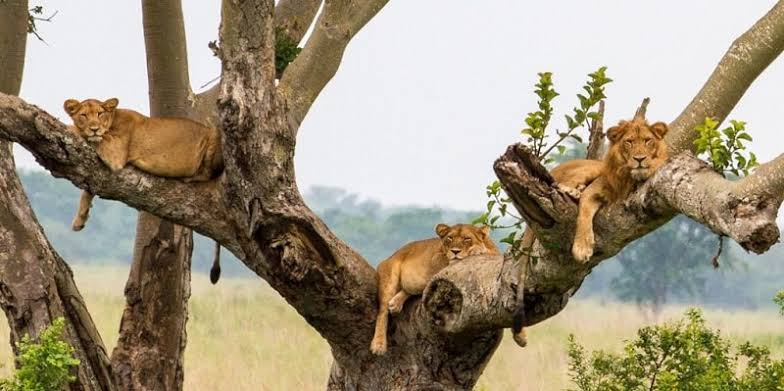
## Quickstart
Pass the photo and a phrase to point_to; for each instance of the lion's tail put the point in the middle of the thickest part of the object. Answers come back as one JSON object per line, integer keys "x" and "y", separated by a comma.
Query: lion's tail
{"x": 215, "y": 271}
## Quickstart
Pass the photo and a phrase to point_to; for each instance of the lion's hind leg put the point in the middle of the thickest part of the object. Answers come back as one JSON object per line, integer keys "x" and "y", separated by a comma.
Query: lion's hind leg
{"x": 388, "y": 287}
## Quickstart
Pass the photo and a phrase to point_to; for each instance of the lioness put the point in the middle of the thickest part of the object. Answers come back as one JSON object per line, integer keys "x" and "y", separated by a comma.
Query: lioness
{"x": 636, "y": 151}
{"x": 166, "y": 147}
{"x": 409, "y": 269}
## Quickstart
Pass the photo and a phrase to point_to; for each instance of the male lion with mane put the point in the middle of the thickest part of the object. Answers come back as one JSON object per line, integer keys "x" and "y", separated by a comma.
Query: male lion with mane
{"x": 636, "y": 151}
{"x": 166, "y": 147}
{"x": 409, "y": 269}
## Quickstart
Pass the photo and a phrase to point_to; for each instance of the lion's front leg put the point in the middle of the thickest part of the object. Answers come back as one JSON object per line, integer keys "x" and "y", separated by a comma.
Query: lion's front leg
{"x": 113, "y": 151}
{"x": 85, "y": 202}
{"x": 590, "y": 202}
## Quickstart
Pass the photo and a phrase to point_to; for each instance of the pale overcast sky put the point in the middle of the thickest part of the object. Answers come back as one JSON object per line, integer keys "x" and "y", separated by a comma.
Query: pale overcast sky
{"x": 431, "y": 92}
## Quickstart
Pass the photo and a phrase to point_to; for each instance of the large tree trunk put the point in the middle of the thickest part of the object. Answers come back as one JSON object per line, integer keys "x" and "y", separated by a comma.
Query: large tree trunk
{"x": 36, "y": 286}
{"x": 444, "y": 339}
{"x": 151, "y": 346}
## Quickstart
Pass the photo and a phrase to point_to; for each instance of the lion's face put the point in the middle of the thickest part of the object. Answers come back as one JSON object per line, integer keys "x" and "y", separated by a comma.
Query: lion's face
{"x": 91, "y": 117}
{"x": 462, "y": 240}
{"x": 638, "y": 147}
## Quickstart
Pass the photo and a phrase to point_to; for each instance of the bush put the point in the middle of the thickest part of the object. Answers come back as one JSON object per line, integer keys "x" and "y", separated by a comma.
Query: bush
{"x": 44, "y": 365}
{"x": 684, "y": 355}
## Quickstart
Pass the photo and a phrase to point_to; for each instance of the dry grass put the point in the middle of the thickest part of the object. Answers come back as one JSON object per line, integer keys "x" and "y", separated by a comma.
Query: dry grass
{"x": 242, "y": 334}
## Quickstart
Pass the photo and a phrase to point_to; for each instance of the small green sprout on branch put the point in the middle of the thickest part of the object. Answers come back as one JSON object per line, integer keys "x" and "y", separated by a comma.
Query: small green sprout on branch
{"x": 723, "y": 149}
{"x": 779, "y": 300}
{"x": 498, "y": 213}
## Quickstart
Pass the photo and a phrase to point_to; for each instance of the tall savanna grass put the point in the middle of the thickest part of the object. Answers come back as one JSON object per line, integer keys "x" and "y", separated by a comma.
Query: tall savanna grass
{"x": 243, "y": 336}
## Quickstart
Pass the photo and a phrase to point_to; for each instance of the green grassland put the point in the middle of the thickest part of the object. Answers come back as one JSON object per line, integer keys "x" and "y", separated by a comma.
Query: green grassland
{"x": 243, "y": 334}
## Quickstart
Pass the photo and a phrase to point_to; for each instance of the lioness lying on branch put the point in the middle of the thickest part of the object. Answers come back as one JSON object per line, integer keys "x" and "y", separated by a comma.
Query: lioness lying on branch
{"x": 409, "y": 269}
{"x": 636, "y": 151}
{"x": 166, "y": 147}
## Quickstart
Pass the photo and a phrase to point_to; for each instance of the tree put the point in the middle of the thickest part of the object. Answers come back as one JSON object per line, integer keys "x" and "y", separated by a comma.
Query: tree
{"x": 444, "y": 339}
{"x": 667, "y": 262}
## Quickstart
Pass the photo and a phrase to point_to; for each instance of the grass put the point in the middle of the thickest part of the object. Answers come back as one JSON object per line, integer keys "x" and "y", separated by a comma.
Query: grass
{"x": 242, "y": 333}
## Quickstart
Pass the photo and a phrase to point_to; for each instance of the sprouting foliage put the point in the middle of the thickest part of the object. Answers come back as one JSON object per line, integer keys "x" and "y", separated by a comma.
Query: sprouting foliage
{"x": 724, "y": 149}
{"x": 44, "y": 365}
{"x": 498, "y": 213}
{"x": 779, "y": 300}
{"x": 286, "y": 50}
{"x": 684, "y": 355}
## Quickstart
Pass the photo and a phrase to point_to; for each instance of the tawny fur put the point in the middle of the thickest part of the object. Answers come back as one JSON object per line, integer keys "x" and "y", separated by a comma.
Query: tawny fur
{"x": 636, "y": 151}
{"x": 409, "y": 269}
{"x": 166, "y": 147}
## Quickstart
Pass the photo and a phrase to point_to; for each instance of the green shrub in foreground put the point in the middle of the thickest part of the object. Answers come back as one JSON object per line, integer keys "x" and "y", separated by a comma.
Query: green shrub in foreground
{"x": 44, "y": 365}
{"x": 684, "y": 355}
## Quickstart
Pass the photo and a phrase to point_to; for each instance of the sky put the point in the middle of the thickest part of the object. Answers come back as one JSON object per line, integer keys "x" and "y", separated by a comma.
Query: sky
{"x": 431, "y": 92}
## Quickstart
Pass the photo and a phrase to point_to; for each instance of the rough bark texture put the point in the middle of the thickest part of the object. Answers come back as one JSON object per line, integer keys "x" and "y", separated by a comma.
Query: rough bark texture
{"x": 36, "y": 286}
{"x": 444, "y": 339}
{"x": 150, "y": 351}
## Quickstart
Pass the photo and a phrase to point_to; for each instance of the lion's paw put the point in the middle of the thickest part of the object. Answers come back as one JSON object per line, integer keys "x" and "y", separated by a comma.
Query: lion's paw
{"x": 582, "y": 249}
{"x": 571, "y": 191}
{"x": 378, "y": 346}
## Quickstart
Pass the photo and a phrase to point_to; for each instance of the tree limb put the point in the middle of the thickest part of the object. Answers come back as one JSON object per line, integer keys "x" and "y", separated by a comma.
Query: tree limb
{"x": 318, "y": 62}
{"x": 294, "y": 17}
{"x": 167, "y": 58}
{"x": 66, "y": 155}
{"x": 745, "y": 60}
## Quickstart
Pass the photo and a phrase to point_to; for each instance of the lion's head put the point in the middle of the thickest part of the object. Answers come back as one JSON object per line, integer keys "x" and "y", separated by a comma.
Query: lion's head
{"x": 462, "y": 240}
{"x": 91, "y": 117}
{"x": 636, "y": 151}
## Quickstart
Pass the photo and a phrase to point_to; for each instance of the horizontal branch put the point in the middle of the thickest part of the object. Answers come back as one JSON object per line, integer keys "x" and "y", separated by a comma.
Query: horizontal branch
{"x": 683, "y": 185}
{"x": 745, "y": 60}
{"x": 66, "y": 155}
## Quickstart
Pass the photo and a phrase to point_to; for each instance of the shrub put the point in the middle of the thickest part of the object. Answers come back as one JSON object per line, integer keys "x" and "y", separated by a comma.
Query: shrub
{"x": 44, "y": 365}
{"x": 684, "y": 355}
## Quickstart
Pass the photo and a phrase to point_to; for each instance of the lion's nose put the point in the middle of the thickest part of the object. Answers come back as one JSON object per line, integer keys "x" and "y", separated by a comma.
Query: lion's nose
{"x": 455, "y": 251}
{"x": 94, "y": 129}
{"x": 639, "y": 159}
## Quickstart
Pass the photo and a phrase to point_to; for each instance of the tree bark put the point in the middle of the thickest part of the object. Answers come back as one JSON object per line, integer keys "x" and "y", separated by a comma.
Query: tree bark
{"x": 150, "y": 351}
{"x": 444, "y": 339}
{"x": 36, "y": 285}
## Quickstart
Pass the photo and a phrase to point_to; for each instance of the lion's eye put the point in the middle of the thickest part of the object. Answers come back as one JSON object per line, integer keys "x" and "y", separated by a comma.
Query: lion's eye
{"x": 448, "y": 239}
{"x": 648, "y": 141}
{"x": 627, "y": 143}
{"x": 467, "y": 240}
{"x": 83, "y": 115}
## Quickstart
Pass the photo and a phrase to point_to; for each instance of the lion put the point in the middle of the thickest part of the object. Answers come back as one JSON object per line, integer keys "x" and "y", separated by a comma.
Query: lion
{"x": 166, "y": 147}
{"x": 409, "y": 269}
{"x": 636, "y": 151}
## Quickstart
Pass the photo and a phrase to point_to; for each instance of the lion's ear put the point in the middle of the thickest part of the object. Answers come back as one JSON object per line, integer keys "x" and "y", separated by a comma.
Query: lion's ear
{"x": 441, "y": 230}
{"x": 110, "y": 104}
{"x": 71, "y": 106}
{"x": 659, "y": 129}
{"x": 485, "y": 230}
{"x": 616, "y": 132}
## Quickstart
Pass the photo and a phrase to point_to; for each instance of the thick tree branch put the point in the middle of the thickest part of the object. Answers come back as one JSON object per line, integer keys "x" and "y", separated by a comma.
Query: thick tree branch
{"x": 479, "y": 294}
{"x": 745, "y": 60}
{"x": 65, "y": 155}
{"x": 294, "y": 17}
{"x": 318, "y": 62}
{"x": 167, "y": 58}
